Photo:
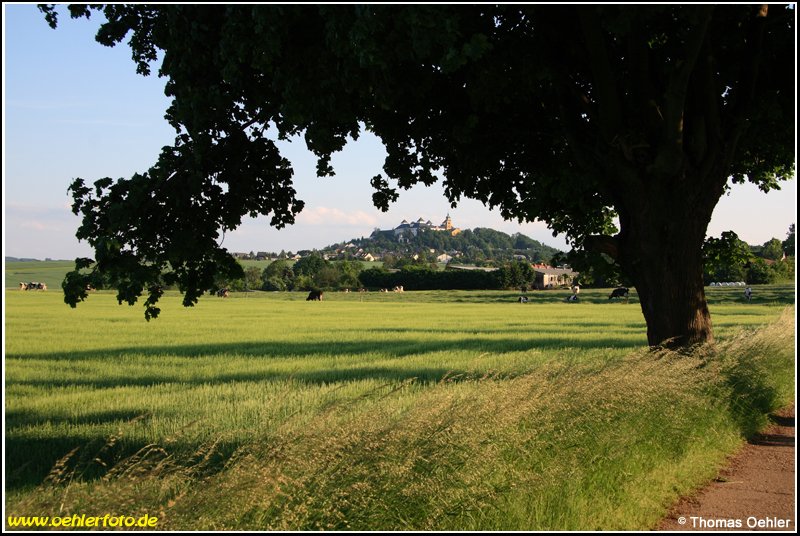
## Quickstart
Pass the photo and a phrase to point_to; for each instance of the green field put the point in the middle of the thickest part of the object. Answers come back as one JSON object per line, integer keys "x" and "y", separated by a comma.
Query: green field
{"x": 50, "y": 272}
{"x": 412, "y": 411}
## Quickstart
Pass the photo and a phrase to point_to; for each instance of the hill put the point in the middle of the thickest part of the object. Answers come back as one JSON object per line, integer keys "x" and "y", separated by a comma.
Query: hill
{"x": 49, "y": 272}
{"x": 476, "y": 246}
{"x": 23, "y": 259}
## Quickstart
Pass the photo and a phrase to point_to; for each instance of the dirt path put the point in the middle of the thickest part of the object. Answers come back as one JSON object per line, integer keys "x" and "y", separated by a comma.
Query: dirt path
{"x": 756, "y": 491}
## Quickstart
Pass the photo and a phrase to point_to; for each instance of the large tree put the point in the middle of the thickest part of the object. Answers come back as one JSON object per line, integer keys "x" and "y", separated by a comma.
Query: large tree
{"x": 619, "y": 125}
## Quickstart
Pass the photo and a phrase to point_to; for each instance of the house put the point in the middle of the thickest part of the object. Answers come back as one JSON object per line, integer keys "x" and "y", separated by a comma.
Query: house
{"x": 549, "y": 277}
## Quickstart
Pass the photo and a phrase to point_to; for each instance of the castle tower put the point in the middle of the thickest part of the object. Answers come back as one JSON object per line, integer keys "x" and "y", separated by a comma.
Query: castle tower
{"x": 448, "y": 223}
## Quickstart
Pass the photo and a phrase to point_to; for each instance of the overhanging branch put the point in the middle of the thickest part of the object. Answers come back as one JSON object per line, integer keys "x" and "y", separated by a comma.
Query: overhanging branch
{"x": 675, "y": 95}
{"x": 609, "y": 106}
{"x": 602, "y": 244}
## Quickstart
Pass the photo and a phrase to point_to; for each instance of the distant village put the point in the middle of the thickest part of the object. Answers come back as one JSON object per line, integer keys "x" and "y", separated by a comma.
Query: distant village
{"x": 399, "y": 241}
{"x": 402, "y": 234}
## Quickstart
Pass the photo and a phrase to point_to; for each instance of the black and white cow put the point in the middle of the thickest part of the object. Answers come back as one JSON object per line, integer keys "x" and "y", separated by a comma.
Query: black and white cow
{"x": 33, "y": 285}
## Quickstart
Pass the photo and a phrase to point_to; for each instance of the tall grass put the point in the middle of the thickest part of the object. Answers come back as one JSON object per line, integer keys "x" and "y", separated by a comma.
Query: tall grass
{"x": 267, "y": 413}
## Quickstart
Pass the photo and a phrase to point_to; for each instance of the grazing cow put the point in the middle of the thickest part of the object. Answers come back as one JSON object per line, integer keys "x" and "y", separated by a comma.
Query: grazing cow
{"x": 314, "y": 295}
{"x": 621, "y": 292}
{"x": 523, "y": 299}
{"x": 223, "y": 293}
{"x": 33, "y": 285}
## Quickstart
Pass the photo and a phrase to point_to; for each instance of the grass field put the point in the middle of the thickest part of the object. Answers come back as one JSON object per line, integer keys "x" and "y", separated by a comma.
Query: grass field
{"x": 413, "y": 411}
{"x": 50, "y": 272}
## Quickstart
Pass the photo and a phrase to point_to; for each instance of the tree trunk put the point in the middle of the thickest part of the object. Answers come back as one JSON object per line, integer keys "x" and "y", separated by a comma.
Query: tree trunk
{"x": 672, "y": 297}
{"x": 661, "y": 250}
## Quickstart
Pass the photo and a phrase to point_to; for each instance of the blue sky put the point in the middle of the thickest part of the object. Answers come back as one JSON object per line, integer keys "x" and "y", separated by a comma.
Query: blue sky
{"x": 73, "y": 108}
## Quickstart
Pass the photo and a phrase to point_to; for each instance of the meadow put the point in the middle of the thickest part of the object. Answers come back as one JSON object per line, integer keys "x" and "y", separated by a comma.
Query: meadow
{"x": 49, "y": 272}
{"x": 412, "y": 411}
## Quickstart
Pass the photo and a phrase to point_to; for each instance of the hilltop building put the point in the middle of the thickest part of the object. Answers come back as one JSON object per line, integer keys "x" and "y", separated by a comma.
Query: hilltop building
{"x": 406, "y": 229}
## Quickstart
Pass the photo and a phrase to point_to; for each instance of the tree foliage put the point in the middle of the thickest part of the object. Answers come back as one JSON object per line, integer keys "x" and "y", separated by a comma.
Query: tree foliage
{"x": 789, "y": 243}
{"x": 570, "y": 114}
{"x": 278, "y": 276}
{"x": 729, "y": 258}
{"x": 773, "y": 250}
{"x": 517, "y": 275}
{"x": 725, "y": 258}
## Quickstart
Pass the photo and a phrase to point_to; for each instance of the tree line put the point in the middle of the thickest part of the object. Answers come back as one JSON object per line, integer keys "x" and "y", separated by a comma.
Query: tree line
{"x": 316, "y": 273}
{"x": 727, "y": 258}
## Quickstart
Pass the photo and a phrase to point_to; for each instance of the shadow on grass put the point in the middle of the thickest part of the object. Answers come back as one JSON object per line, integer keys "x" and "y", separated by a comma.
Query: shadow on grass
{"x": 399, "y": 347}
{"x": 59, "y": 459}
{"x": 30, "y": 460}
{"x": 17, "y": 419}
{"x": 350, "y": 370}
{"x": 522, "y": 330}
{"x": 317, "y": 377}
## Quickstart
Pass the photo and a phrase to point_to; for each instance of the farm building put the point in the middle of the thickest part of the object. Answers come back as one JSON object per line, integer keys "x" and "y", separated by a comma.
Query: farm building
{"x": 549, "y": 277}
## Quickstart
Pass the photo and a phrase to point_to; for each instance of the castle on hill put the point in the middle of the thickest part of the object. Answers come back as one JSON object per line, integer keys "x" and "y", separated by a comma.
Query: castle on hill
{"x": 406, "y": 229}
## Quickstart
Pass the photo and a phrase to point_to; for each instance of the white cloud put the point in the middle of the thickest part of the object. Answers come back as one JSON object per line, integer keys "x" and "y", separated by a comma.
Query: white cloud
{"x": 41, "y": 231}
{"x": 334, "y": 216}
{"x": 39, "y": 226}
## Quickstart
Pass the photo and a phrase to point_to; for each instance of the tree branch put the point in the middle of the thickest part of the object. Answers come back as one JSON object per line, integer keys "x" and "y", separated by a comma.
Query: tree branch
{"x": 746, "y": 95}
{"x": 643, "y": 93}
{"x": 609, "y": 107}
{"x": 602, "y": 244}
{"x": 675, "y": 95}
